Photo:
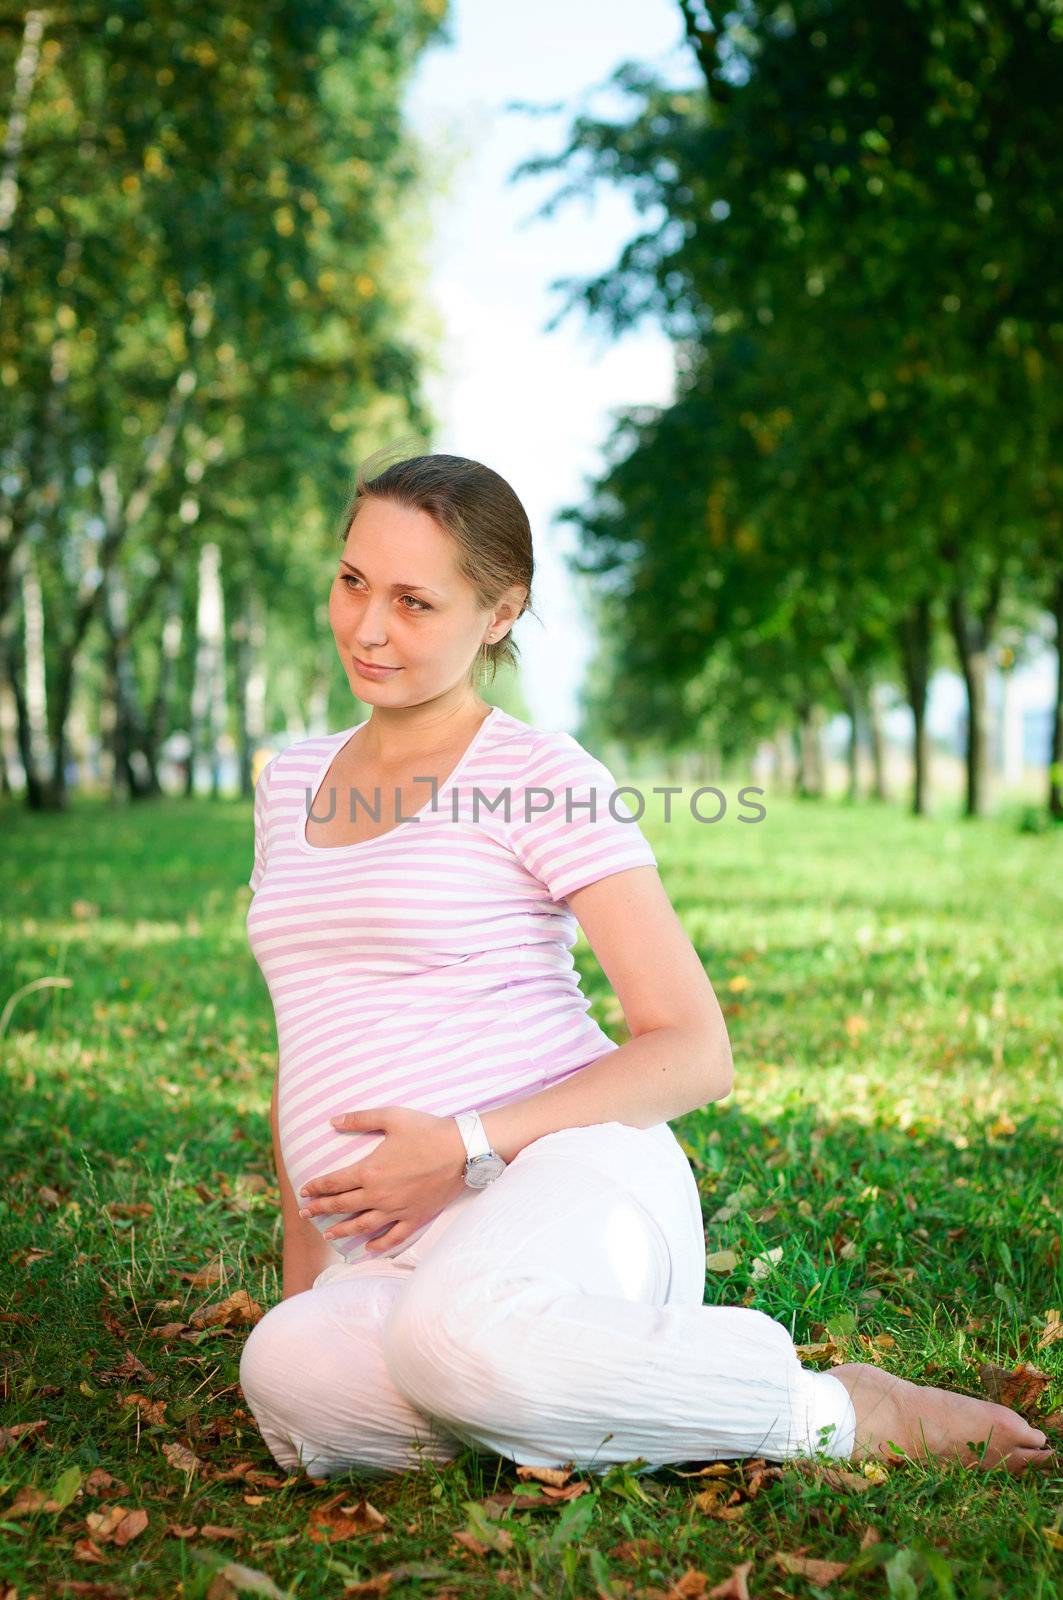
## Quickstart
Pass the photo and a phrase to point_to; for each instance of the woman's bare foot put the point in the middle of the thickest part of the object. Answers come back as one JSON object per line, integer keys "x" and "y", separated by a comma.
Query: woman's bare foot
{"x": 920, "y": 1421}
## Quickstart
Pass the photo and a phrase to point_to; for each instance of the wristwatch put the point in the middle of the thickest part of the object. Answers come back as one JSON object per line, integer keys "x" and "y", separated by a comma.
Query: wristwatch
{"x": 484, "y": 1165}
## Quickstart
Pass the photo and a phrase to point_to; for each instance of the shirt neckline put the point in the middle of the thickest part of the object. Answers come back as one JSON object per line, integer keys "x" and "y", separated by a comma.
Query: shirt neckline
{"x": 302, "y": 814}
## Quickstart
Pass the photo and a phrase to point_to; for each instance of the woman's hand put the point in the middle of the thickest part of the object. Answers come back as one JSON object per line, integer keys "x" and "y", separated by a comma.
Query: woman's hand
{"x": 406, "y": 1181}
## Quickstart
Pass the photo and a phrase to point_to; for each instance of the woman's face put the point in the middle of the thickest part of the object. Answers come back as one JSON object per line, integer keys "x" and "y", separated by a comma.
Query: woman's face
{"x": 398, "y": 601}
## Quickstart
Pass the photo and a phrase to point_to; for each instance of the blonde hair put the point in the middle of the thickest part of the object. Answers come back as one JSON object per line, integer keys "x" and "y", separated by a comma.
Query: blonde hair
{"x": 477, "y": 508}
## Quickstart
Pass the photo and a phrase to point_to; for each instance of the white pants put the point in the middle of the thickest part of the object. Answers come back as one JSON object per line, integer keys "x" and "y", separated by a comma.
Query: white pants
{"x": 554, "y": 1317}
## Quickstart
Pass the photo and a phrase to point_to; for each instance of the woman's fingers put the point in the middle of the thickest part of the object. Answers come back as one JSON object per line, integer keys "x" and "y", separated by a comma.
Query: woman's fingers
{"x": 365, "y": 1222}
{"x": 319, "y": 1204}
{"x": 387, "y": 1241}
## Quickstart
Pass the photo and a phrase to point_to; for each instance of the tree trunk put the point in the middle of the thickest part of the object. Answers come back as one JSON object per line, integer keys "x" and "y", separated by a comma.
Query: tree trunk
{"x": 249, "y": 686}
{"x": 169, "y": 655}
{"x": 208, "y": 693}
{"x": 132, "y": 769}
{"x": 1055, "y": 770}
{"x": 45, "y": 789}
{"x": 852, "y": 707}
{"x": 26, "y": 64}
{"x": 872, "y": 714}
{"x": 971, "y": 637}
{"x": 913, "y": 632}
{"x": 810, "y": 747}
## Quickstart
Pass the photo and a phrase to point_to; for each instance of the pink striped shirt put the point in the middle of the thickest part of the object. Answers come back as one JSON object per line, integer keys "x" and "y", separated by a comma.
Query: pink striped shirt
{"x": 430, "y": 966}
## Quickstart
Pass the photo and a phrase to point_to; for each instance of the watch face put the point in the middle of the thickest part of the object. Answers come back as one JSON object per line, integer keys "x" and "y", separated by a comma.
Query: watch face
{"x": 482, "y": 1170}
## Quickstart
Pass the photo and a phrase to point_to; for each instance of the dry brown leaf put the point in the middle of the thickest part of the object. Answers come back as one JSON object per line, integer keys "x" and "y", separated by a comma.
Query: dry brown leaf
{"x": 99, "y": 1589}
{"x": 234, "y": 1578}
{"x": 514, "y": 1500}
{"x": 129, "y": 1208}
{"x": 85, "y": 1550}
{"x": 168, "y": 1330}
{"x": 715, "y": 1469}
{"x": 181, "y": 1530}
{"x": 735, "y": 1587}
{"x": 1018, "y": 1387}
{"x": 721, "y": 1502}
{"x": 100, "y": 1479}
{"x": 211, "y": 1530}
{"x": 129, "y": 1367}
{"x": 203, "y": 1277}
{"x": 237, "y": 1307}
{"x": 691, "y": 1586}
{"x": 1053, "y": 1330}
{"x": 19, "y": 1431}
{"x": 802, "y": 1566}
{"x": 153, "y": 1411}
{"x": 181, "y": 1457}
{"x": 331, "y": 1522}
{"x": 557, "y": 1477}
{"x": 834, "y": 1477}
{"x": 28, "y": 1501}
{"x": 470, "y": 1542}
{"x": 636, "y": 1550}
{"x": 117, "y": 1525}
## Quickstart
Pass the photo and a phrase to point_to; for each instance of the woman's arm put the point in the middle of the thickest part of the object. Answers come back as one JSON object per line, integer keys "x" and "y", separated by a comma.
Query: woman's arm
{"x": 678, "y": 1057}
{"x": 306, "y": 1253}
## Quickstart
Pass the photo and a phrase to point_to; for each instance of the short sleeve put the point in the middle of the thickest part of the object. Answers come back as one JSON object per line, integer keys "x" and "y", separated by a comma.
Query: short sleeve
{"x": 261, "y": 818}
{"x": 568, "y": 826}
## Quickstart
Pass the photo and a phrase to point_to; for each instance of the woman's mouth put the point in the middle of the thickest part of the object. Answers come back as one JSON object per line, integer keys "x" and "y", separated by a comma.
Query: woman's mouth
{"x": 368, "y": 670}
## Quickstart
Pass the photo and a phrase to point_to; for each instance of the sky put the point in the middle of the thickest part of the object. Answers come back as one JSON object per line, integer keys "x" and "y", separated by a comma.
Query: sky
{"x": 533, "y": 405}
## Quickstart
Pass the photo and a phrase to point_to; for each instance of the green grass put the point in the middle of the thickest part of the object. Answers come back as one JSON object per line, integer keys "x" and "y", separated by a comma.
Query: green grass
{"x": 893, "y": 990}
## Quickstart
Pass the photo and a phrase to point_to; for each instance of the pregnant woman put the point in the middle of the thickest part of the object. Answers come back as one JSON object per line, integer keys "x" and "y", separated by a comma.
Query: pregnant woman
{"x": 492, "y": 1237}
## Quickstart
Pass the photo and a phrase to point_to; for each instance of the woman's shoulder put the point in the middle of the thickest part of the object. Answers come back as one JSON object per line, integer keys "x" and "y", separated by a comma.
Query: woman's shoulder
{"x": 531, "y": 751}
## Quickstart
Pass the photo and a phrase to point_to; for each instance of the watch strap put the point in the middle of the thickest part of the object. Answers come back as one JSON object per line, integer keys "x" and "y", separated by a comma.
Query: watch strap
{"x": 473, "y": 1133}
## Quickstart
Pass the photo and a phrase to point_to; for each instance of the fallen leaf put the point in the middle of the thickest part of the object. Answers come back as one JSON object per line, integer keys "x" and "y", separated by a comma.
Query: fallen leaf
{"x": 691, "y": 1586}
{"x": 802, "y": 1566}
{"x": 557, "y": 1477}
{"x": 636, "y": 1550}
{"x": 1018, "y": 1387}
{"x": 204, "y": 1276}
{"x": 331, "y": 1522}
{"x": 19, "y": 1431}
{"x": 117, "y": 1525}
{"x": 233, "y": 1578}
{"x": 1053, "y": 1330}
{"x": 721, "y": 1261}
{"x": 734, "y": 1587}
{"x": 234, "y": 1309}
{"x": 470, "y": 1542}
{"x": 153, "y": 1411}
{"x": 766, "y": 1261}
{"x": 181, "y": 1457}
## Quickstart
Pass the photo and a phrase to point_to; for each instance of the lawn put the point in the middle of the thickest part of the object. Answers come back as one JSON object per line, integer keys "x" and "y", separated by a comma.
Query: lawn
{"x": 885, "y": 1179}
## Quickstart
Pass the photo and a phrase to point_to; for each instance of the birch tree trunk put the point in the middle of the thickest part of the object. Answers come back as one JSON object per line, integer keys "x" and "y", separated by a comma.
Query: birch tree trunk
{"x": 914, "y": 640}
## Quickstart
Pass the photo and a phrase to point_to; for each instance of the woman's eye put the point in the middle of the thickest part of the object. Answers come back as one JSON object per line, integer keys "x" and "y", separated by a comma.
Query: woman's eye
{"x": 348, "y": 577}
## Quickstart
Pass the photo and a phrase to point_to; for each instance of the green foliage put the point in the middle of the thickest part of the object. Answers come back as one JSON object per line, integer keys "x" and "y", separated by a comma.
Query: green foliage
{"x": 854, "y": 225}
{"x": 206, "y": 314}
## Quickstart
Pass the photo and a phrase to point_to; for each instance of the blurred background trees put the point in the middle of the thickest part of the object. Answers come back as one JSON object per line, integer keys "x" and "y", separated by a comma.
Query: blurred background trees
{"x": 209, "y": 303}
{"x": 211, "y": 224}
{"x": 859, "y": 476}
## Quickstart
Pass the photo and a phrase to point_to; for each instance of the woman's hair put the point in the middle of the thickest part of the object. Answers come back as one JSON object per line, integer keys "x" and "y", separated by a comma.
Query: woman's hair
{"x": 480, "y": 512}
